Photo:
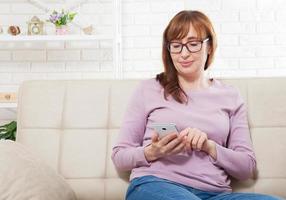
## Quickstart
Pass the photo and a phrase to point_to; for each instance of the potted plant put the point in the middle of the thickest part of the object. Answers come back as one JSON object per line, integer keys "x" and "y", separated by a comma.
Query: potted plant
{"x": 61, "y": 20}
{"x": 8, "y": 131}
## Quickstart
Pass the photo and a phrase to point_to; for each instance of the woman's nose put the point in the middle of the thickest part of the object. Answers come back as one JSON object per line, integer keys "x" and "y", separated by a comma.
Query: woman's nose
{"x": 185, "y": 52}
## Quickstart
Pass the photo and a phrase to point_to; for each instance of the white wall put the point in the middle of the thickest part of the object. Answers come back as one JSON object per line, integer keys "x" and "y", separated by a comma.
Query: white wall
{"x": 250, "y": 35}
{"x": 250, "y": 38}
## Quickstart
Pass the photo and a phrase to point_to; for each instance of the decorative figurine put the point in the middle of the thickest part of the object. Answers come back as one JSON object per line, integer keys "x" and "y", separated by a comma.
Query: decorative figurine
{"x": 88, "y": 30}
{"x": 14, "y": 30}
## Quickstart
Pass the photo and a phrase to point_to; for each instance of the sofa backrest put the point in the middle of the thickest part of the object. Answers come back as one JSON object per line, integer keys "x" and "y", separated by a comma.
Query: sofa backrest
{"x": 72, "y": 125}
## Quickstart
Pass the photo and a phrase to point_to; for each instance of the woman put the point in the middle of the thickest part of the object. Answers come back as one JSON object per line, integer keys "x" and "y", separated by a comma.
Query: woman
{"x": 213, "y": 141}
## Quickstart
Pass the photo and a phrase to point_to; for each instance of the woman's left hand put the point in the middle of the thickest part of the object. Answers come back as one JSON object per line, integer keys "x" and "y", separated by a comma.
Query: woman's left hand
{"x": 197, "y": 140}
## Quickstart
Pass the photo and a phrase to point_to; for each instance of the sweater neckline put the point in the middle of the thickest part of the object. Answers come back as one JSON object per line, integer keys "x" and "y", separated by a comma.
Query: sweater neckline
{"x": 203, "y": 90}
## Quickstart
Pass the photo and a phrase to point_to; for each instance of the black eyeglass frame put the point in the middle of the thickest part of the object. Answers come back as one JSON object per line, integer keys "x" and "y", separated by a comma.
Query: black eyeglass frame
{"x": 185, "y": 45}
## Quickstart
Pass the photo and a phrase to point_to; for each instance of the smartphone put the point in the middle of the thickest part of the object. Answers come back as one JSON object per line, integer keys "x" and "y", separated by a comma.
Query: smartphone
{"x": 164, "y": 128}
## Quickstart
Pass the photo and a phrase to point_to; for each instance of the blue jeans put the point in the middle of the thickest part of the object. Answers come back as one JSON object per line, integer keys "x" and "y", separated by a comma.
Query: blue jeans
{"x": 154, "y": 188}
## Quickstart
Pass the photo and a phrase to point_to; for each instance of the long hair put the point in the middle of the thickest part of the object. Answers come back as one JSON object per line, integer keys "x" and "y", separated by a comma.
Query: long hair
{"x": 178, "y": 28}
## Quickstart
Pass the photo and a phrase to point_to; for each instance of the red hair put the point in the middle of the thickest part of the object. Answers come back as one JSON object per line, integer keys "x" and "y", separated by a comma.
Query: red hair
{"x": 178, "y": 28}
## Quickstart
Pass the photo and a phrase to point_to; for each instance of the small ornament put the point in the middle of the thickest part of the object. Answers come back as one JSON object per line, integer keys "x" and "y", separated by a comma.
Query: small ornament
{"x": 14, "y": 30}
{"x": 88, "y": 30}
{"x": 35, "y": 26}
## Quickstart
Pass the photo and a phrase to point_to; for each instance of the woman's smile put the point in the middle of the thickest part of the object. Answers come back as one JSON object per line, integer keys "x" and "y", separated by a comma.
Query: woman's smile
{"x": 186, "y": 63}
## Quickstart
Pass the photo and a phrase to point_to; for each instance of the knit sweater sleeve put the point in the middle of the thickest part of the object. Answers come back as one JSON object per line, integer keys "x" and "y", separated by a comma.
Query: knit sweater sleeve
{"x": 128, "y": 152}
{"x": 237, "y": 158}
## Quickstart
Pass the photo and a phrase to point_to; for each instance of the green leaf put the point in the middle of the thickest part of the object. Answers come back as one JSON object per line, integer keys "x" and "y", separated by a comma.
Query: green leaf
{"x": 71, "y": 16}
{"x": 64, "y": 20}
{"x": 8, "y": 131}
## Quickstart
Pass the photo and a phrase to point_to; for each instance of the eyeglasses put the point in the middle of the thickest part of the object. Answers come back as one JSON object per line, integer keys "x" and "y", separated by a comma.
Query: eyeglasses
{"x": 192, "y": 46}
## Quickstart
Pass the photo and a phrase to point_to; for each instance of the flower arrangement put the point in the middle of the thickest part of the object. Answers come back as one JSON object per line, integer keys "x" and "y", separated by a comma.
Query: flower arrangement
{"x": 61, "y": 18}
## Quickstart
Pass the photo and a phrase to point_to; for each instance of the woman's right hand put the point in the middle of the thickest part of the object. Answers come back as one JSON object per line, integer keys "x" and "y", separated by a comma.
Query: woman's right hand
{"x": 168, "y": 145}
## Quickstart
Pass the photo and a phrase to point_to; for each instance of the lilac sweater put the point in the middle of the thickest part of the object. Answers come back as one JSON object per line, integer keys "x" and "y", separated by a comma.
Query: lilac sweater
{"x": 219, "y": 111}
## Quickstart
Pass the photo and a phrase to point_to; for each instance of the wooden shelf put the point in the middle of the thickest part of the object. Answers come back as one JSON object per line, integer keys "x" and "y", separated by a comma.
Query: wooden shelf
{"x": 31, "y": 38}
{"x": 8, "y": 100}
{"x": 8, "y": 97}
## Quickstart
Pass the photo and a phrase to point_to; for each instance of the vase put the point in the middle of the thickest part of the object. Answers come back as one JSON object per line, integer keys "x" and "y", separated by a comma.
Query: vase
{"x": 62, "y": 30}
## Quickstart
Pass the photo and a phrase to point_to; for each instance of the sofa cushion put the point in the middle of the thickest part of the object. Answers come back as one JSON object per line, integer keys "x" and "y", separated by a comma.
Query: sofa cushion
{"x": 24, "y": 176}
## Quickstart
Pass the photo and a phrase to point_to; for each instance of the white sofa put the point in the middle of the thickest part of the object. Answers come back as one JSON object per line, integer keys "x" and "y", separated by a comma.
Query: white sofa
{"x": 72, "y": 126}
